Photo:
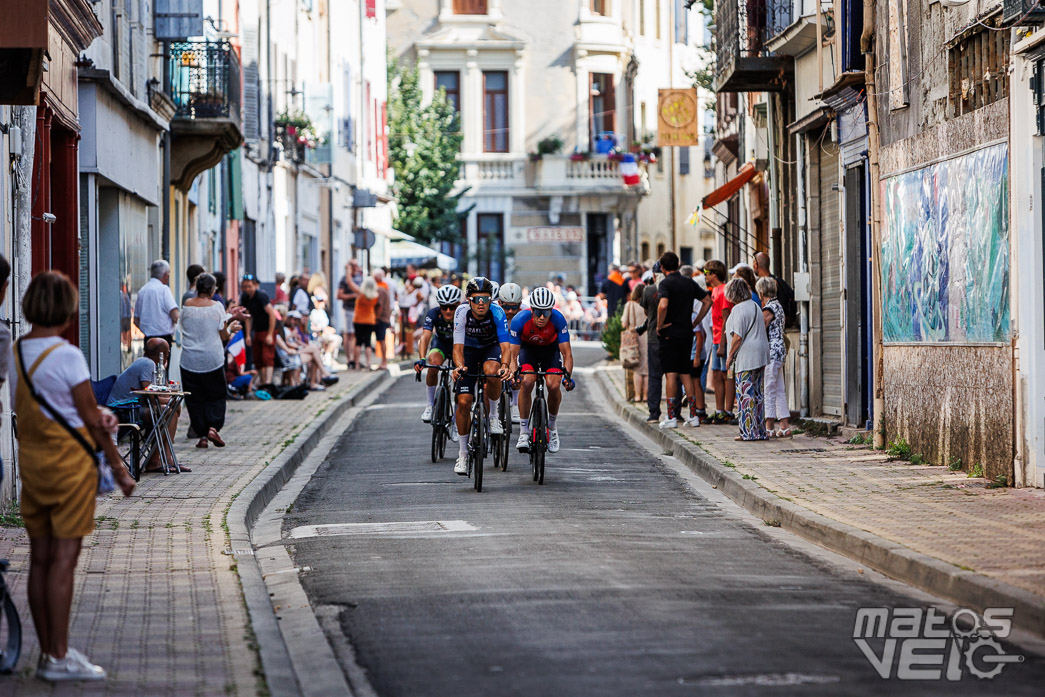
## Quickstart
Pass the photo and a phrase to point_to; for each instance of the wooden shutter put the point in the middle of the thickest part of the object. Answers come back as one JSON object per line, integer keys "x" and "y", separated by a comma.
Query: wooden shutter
{"x": 830, "y": 280}
{"x": 251, "y": 85}
{"x": 178, "y": 19}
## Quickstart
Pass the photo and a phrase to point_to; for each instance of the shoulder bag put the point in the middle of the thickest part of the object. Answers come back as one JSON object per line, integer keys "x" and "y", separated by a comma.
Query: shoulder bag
{"x": 106, "y": 482}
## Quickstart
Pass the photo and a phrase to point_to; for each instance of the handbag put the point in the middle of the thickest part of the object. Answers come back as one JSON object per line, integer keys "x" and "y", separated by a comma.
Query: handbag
{"x": 106, "y": 481}
{"x": 629, "y": 349}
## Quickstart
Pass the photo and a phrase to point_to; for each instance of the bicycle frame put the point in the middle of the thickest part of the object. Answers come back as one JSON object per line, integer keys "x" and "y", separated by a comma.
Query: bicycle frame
{"x": 442, "y": 412}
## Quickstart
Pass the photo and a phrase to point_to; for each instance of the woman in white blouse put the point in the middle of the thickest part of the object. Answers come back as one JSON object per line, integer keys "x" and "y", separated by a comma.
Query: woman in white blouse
{"x": 205, "y": 327}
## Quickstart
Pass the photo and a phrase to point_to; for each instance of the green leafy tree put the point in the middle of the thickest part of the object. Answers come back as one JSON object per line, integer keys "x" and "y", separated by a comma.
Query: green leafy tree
{"x": 424, "y": 142}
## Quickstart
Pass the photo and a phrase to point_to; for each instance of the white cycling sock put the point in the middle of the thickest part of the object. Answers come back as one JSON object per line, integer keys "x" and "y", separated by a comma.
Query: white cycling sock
{"x": 551, "y": 421}
{"x": 464, "y": 444}
{"x": 495, "y": 406}
{"x": 525, "y": 423}
{"x": 431, "y": 396}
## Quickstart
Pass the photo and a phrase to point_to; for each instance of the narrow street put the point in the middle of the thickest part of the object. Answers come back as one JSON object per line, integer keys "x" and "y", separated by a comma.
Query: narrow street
{"x": 617, "y": 577}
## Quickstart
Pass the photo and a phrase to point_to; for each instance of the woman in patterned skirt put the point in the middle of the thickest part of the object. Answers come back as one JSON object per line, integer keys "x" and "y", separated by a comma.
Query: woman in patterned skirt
{"x": 748, "y": 356}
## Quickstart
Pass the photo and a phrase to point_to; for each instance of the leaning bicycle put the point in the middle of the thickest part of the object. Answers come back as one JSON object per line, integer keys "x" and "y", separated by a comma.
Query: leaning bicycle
{"x": 442, "y": 410}
{"x": 10, "y": 626}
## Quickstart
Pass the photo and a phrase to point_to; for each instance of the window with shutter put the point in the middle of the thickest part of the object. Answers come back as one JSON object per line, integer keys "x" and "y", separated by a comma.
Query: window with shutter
{"x": 469, "y": 7}
{"x": 495, "y": 107}
{"x": 251, "y": 85}
{"x": 683, "y": 161}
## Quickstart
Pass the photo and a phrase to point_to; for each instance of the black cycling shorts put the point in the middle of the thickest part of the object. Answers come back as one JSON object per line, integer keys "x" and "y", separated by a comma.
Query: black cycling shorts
{"x": 474, "y": 358}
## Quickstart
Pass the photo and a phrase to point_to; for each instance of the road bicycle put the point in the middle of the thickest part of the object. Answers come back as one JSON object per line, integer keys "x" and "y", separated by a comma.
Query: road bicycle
{"x": 479, "y": 434}
{"x": 502, "y": 443}
{"x": 442, "y": 410}
{"x": 540, "y": 431}
{"x": 10, "y": 626}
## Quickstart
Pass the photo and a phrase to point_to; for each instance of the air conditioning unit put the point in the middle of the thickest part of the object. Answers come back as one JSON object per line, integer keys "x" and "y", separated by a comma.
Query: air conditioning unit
{"x": 1020, "y": 12}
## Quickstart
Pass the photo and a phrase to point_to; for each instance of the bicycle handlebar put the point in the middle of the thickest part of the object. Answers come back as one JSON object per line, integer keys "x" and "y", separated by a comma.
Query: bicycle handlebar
{"x": 424, "y": 365}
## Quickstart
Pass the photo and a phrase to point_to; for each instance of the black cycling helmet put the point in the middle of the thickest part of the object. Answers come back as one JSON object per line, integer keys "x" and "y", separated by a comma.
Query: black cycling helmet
{"x": 478, "y": 285}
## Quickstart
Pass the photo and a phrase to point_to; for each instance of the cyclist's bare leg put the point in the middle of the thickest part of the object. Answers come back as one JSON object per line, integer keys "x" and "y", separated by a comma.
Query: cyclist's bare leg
{"x": 433, "y": 358}
{"x": 526, "y": 396}
{"x": 493, "y": 387}
{"x": 554, "y": 395}
{"x": 464, "y": 414}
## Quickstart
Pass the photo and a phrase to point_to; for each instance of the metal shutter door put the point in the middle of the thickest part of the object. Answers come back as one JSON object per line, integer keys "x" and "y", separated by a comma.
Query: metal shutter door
{"x": 830, "y": 280}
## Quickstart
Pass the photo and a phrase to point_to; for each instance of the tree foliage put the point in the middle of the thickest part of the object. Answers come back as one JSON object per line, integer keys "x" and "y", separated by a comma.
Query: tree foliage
{"x": 424, "y": 142}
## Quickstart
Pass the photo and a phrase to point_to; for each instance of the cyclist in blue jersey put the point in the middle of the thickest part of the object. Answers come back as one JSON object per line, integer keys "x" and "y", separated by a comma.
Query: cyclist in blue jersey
{"x": 540, "y": 340}
{"x": 511, "y": 295}
{"x": 437, "y": 342}
{"x": 480, "y": 345}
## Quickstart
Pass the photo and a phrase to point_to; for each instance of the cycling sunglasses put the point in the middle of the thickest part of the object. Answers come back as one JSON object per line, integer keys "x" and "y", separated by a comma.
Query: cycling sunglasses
{"x": 480, "y": 299}
{"x": 510, "y": 308}
{"x": 249, "y": 277}
{"x": 542, "y": 313}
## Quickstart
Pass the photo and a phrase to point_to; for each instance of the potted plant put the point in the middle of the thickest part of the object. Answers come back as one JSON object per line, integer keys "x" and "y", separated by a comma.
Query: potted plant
{"x": 578, "y": 156}
{"x": 552, "y": 145}
{"x": 636, "y": 147}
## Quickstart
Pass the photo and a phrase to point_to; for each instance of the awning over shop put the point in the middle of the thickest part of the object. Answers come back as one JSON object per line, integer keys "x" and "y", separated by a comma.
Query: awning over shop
{"x": 730, "y": 188}
{"x": 403, "y": 252}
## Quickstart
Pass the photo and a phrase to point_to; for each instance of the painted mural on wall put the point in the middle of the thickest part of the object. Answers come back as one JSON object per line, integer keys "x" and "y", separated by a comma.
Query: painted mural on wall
{"x": 945, "y": 251}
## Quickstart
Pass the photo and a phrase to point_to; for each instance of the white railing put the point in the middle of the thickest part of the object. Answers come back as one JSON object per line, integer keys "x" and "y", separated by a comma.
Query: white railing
{"x": 597, "y": 168}
{"x": 508, "y": 171}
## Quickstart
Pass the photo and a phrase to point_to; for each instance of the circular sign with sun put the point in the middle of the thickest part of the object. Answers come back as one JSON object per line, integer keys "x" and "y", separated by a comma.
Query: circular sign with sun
{"x": 679, "y": 109}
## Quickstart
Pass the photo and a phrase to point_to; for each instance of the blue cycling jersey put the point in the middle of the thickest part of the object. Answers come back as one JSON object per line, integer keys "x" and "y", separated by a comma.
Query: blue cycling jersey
{"x": 480, "y": 333}
{"x": 525, "y": 331}
{"x": 443, "y": 330}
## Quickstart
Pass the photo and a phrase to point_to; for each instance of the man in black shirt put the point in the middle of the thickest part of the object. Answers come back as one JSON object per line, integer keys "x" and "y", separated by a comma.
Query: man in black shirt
{"x": 259, "y": 334}
{"x": 675, "y": 332}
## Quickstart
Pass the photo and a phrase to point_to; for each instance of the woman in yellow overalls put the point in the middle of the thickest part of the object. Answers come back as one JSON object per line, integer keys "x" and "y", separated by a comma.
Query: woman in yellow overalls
{"x": 59, "y": 477}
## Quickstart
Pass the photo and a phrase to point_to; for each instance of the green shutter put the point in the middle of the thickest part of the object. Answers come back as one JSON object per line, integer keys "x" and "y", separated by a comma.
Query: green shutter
{"x": 235, "y": 185}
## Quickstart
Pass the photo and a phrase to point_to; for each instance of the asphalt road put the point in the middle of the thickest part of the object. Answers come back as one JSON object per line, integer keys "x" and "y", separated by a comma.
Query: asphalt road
{"x": 617, "y": 577}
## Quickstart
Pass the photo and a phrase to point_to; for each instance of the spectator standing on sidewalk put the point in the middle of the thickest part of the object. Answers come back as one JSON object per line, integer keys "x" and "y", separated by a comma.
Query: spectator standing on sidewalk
{"x": 366, "y": 319}
{"x": 715, "y": 276}
{"x": 785, "y": 294}
{"x": 260, "y": 330}
{"x": 204, "y": 330}
{"x": 634, "y": 317}
{"x": 191, "y": 274}
{"x": 155, "y": 310}
{"x": 384, "y": 317}
{"x": 281, "y": 297}
{"x": 654, "y": 377}
{"x": 59, "y": 425}
{"x": 347, "y": 293}
{"x": 675, "y": 333}
{"x": 748, "y": 274}
{"x": 748, "y": 356}
{"x": 777, "y": 411}
{"x": 616, "y": 290}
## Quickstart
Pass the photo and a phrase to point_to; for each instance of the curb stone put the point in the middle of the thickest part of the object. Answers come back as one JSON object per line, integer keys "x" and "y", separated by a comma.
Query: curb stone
{"x": 964, "y": 588}
{"x": 276, "y": 664}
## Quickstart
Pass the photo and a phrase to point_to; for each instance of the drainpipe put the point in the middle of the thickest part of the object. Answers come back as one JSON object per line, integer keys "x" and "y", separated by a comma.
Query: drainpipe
{"x": 165, "y": 235}
{"x": 867, "y": 46}
{"x": 803, "y": 264}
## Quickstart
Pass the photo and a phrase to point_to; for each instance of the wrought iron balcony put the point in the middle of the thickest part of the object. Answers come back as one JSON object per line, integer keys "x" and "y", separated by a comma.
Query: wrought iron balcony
{"x": 743, "y": 28}
{"x": 203, "y": 80}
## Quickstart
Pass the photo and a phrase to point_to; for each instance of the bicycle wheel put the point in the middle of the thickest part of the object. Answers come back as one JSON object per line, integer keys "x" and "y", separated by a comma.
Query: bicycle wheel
{"x": 537, "y": 431}
{"x": 10, "y": 631}
{"x": 438, "y": 427}
{"x": 479, "y": 434}
{"x": 506, "y": 426}
{"x": 539, "y": 466}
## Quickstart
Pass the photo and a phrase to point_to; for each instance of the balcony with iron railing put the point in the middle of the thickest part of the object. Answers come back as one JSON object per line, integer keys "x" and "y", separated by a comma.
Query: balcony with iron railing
{"x": 743, "y": 27}
{"x": 203, "y": 81}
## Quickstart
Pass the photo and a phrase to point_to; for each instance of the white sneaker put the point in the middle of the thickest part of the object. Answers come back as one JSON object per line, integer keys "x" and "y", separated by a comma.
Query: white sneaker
{"x": 553, "y": 441}
{"x": 454, "y": 435}
{"x": 694, "y": 422}
{"x": 74, "y": 666}
{"x": 515, "y": 414}
{"x": 426, "y": 415}
{"x": 496, "y": 428}
{"x": 669, "y": 423}
{"x": 462, "y": 466}
{"x": 523, "y": 444}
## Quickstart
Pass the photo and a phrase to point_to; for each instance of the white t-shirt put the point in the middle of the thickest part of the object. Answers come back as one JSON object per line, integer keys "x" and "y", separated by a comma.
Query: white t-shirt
{"x": 153, "y": 309}
{"x": 54, "y": 379}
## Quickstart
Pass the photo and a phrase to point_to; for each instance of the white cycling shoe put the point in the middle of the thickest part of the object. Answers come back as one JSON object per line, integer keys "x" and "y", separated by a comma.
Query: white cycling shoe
{"x": 496, "y": 428}
{"x": 553, "y": 441}
{"x": 426, "y": 415}
{"x": 461, "y": 467}
{"x": 515, "y": 414}
{"x": 523, "y": 444}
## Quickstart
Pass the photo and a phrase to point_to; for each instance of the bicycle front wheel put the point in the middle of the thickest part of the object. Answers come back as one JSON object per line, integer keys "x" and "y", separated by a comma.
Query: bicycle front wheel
{"x": 10, "y": 632}
{"x": 479, "y": 436}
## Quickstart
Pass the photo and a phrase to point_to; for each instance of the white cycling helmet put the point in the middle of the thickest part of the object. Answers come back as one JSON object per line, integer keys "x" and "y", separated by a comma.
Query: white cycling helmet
{"x": 511, "y": 294}
{"x": 496, "y": 289}
{"x": 542, "y": 299}
{"x": 448, "y": 295}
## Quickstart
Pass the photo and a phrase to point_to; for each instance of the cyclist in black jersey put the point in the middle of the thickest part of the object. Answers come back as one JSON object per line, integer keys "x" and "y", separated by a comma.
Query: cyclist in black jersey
{"x": 437, "y": 341}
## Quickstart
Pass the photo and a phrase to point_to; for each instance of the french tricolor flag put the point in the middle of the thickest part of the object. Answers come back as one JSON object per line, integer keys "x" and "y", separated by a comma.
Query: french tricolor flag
{"x": 237, "y": 348}
{"x": 629, "y": 170}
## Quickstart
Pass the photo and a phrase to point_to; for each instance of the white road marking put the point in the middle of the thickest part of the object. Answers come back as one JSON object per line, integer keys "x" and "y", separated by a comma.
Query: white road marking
{"x": 391, "y": 528}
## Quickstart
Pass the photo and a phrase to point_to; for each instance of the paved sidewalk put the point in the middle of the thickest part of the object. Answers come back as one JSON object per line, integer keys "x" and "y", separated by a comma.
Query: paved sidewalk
{"x": 947, "y": 515}
{"x": 157, "y": 602}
